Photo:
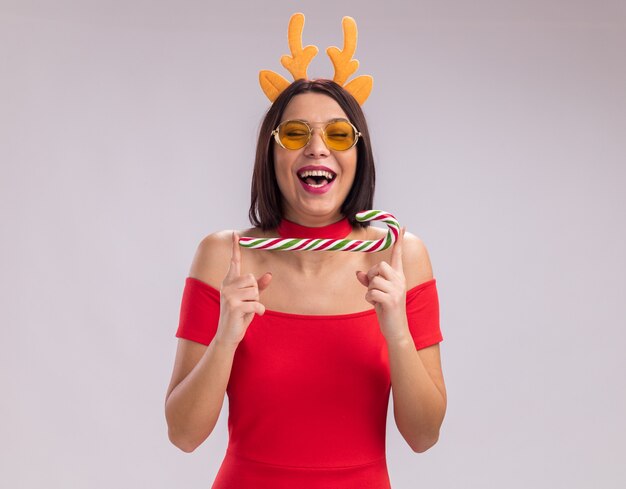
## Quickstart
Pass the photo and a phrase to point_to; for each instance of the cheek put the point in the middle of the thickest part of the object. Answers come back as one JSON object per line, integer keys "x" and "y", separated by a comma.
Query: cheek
{"x": 285, "y": 159}
{"x": 349, "y": 163}
{"x": 283, "y": 164}
{"x": 280, "y": 162}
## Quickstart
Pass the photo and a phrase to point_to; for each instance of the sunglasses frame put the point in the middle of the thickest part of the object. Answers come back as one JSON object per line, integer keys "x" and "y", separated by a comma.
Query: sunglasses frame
{"x": 276, "y": 132}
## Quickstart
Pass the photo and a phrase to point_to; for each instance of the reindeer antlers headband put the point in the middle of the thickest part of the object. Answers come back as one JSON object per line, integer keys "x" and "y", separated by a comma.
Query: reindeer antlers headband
{"x": 360, "y": 87}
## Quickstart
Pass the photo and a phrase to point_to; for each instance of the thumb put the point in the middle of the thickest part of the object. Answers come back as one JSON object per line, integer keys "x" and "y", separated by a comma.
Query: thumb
{"x": 264, "y": 280}
{"x": 362, "y": 277}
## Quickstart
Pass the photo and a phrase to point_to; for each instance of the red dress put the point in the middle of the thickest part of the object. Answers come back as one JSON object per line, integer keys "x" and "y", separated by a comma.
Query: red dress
{"x": 308, "y": 394}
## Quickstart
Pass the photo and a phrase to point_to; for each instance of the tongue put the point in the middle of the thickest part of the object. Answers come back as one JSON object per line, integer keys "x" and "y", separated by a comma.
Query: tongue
{"x": 313, "y": 181}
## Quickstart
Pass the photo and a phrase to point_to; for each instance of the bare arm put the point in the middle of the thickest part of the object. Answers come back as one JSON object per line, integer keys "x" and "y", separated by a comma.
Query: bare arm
{"x": 197, "y": 390}
{"x": 419, "y": 398}
{"x": 201, "y": 373}
{"x": 418, "y": 387}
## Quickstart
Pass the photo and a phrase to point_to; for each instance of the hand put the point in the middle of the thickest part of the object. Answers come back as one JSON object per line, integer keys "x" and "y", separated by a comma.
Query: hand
{"x": 239, "y": 298}
{"x": 386, "y": 290}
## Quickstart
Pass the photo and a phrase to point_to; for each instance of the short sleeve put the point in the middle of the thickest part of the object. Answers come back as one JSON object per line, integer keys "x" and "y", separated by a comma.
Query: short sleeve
{"x": 199, "y": 312}
{"x": 422, "y": 310}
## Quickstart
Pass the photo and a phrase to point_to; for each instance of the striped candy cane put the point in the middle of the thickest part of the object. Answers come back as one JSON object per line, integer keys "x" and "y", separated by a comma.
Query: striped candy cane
{"x": 318, "y": 244}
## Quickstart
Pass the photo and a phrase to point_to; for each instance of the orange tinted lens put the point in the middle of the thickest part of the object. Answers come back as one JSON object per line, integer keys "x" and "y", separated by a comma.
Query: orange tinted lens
{"x": 340, "y": 135}
{"x": 293, "y": 134}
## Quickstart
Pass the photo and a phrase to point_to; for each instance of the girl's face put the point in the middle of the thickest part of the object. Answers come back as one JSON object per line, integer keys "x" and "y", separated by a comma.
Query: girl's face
{"x": 309, "y": 203}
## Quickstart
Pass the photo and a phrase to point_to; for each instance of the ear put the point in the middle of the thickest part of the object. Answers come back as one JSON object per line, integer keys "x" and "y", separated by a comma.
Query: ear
{"x": 360, "y": 87}
{"x": 272, "y": 84}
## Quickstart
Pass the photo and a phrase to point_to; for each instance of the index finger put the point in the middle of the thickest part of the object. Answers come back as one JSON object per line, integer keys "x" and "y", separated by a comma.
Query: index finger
{"x": 396, "y": 252}
{"x": 234, "y": 269}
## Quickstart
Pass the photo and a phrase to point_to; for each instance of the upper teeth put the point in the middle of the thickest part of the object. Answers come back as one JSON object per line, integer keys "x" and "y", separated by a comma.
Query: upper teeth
{"x": 316, "y": 173}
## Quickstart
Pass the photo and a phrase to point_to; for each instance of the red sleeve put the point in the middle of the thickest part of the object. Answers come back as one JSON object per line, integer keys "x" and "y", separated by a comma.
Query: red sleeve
{"x": 199, "y": 312}
{"x": 422, "y": 311}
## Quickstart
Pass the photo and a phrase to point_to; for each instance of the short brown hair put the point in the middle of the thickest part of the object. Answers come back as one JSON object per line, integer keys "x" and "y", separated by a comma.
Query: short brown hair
{"x": 266, "y": 208}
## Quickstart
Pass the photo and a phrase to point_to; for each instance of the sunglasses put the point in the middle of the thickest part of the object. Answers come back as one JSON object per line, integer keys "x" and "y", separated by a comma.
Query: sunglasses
{"x": 338, "y": 134}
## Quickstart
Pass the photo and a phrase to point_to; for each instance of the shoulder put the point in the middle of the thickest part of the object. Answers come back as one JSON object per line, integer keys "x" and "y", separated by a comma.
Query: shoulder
{"x": 212, "y": 257}
{"x": 415, "y": 260}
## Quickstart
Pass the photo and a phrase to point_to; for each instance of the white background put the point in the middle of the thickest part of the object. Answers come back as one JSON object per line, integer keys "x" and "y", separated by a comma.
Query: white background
{"x": 127, "y": 133}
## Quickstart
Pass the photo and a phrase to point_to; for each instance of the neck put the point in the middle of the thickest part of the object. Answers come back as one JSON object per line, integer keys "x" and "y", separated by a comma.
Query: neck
{"x": 311, "y": 263}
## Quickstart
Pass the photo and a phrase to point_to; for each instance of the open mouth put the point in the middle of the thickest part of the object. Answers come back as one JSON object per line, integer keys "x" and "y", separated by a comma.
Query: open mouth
{"x": 316, "y": 178}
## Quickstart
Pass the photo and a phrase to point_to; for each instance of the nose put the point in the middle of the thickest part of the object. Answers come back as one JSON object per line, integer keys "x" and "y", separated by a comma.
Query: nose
{"x": 316, "y": 148}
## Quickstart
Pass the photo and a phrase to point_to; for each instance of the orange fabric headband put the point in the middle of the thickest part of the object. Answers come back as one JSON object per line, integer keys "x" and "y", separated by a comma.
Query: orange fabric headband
{"x": 360, "y": 87}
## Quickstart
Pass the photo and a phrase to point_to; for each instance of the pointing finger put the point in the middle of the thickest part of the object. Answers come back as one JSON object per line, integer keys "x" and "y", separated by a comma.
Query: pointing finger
{"x": 234, "y": 269}
{"x": 396, "y": 253}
